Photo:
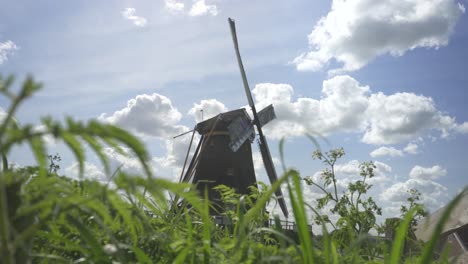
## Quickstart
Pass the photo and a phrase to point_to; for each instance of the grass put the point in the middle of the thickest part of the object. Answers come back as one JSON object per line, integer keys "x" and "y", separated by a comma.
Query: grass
{"x": 48, "y": 218}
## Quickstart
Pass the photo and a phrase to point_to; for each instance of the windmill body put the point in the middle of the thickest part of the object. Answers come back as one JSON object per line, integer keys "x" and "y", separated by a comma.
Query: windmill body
{"x": 224, "y": 154}
{"x": 217, "y": 163}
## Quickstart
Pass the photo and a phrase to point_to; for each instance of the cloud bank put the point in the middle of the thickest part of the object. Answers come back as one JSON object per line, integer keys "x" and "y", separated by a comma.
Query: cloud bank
{"x": 348, "y": 106}
{"x": 353, "y": 33}
{"x": 433, "y": 194}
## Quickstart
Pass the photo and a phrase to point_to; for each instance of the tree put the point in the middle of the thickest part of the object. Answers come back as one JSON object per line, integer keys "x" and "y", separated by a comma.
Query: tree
{"x": 413, "y": 200}
{"x": 356, "y": 213}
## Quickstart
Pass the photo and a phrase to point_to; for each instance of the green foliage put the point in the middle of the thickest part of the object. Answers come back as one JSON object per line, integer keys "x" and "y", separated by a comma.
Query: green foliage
{"x": 420, "y": 211}
{"x": 356, "y": 214}
{"x": 48, "y": 218}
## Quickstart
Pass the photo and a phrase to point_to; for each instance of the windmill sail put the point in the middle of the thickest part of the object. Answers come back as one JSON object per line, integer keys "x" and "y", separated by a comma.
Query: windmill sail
{"x": 266, "y": 115}
{"x": 264, "y": 150}
{"x": 242, "y": 128}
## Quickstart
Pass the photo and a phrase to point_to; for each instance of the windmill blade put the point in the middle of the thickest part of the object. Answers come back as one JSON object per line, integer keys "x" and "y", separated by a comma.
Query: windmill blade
{"x": 271, "y": 172}
{"x": 266, "y": 115}
{"x": 232, "y": 24}
{"x": 240, "y": 130}
{"x": 264, "y": 150}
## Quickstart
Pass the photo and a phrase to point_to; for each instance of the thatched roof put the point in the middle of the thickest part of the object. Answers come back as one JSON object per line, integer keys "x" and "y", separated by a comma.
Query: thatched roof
{"x": 457, "y": 219}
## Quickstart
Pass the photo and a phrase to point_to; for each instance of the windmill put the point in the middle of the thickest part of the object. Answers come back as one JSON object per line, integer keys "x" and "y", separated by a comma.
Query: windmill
{"x": 224, "y": 153}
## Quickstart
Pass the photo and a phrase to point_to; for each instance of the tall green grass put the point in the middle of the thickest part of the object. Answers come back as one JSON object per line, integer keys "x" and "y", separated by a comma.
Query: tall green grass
{"x": 48, "y": 218}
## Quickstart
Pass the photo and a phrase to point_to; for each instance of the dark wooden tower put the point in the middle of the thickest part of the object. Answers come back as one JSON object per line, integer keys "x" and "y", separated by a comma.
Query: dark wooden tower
{"x": 215, "y": 163}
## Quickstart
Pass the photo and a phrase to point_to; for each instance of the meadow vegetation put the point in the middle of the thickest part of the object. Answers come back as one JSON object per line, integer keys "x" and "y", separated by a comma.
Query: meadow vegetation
{"x": 46, "y": 217}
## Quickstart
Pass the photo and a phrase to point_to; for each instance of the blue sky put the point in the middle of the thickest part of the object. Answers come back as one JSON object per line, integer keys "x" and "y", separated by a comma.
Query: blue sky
{"x": 386, "y": 80}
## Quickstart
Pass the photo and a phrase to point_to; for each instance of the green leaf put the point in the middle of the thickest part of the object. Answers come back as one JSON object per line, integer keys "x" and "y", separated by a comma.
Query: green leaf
{"x": 97, "y": 148}
{"x": 401, "y": 234}
{"x": 140, "y": 255}
{"x": 76, "y": 148}
{"x": 297, "y": 203}
{"x": 38, "y": 147}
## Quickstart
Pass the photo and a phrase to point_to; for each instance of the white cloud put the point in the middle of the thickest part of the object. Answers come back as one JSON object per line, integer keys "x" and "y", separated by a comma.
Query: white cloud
{"x": 403, "y": 116}
{"x": 431, "y": 173}
{"x": 48, "y": 139}
{"x": 349, "y": 168}
{"x": 348, "y": 106}
{"x": 209, "y": 108}
{"x": 174, "y": 6}
{"x": 168, "y": 165}
{"x": 350, "y": 171}
{"x": 6, "y": 48}
{"x": 149, "y": 115}
{"x": 91, "y": 172}
{"x": 129, "y": 14}
{"x": 259, "y": 166}
{"x": 341, "y": 107}
{"x": 411, "y": 148}
{"x": 386, "y": 151}
{"x": 176, "y": 151}
{"x": 355, "y": 32}
{"x": 462, "y": 128}
{"x": 382, "y": 168}
{"x": 200, "y": 8}
{"x": 123, "y": 161}
{"x": 433, "y": 194}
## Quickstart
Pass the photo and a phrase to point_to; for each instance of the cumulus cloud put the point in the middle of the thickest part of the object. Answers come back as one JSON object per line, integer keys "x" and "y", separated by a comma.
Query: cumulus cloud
{"x": 200, "y": 8}
{"x": 341, "y": 107}
{"x": 174, "y": 158}
{"x": 124, "y": 161}
{"x": 174, "y": 6}
{"x": 403, "y": 116}
{"x": 6, "y": 48}
{"x": 356, "y": 32}
{"x": 91, "y": 172}
{"x": 431, "y": 173}
{"x": 349, "y": 168}
{"x": 129, "y": 14}
{"x": 411, "y": 148}
{"x": 148, "y": 115}
{"x": 207, "y": 109}
{"x": 350, "y": 171}
{"x": 433, "y": 194}
{"x": 386, "y": 151}
{"x": 462, "y": 128}
{"x": 48, "y": 139}
{"x": 348, "y": 106}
